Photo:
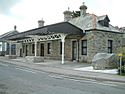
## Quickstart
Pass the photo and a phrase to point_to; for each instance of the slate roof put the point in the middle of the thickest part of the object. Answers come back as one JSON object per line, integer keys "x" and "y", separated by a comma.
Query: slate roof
{"x": 10, "y": 33}
{"x": 102, "y": 17}
{"x": 90, "y": 21}
{"x": 74, "y": 26}
{"x": 63, "y": 27}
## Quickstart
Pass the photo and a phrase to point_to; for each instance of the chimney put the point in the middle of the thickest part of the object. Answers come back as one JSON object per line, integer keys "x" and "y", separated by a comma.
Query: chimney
{"x": 15, "y": 27}
{"x": 83, "y": 9}
{"x": 67, "y": 15}
{"x": 41, "y": 23}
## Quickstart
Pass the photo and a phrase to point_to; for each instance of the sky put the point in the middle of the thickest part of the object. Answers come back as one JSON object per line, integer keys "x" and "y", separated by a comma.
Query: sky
{"x": 26, "y": 13}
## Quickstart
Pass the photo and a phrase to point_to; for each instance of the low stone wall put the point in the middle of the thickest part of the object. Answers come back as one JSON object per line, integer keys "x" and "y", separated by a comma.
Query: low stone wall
{"x": 33, "y": 59}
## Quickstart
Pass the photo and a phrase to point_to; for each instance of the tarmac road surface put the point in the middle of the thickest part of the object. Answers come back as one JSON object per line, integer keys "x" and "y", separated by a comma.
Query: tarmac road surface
{"x": 21, "y": 80}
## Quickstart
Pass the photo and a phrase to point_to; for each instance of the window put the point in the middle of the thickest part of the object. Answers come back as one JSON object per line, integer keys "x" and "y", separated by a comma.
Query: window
{"x": 84, "y": 47}
{"x": 60, "y": 47}
{"x": 8, "y": 49}
{"x": 33, "y": 50}
{"x": 106, "y": 23}
{"x": 110, "y": 46}
{"x": 13, "y": 49}
{"x": 49, "y": 48}
{"x": 23, "y": 48}
{"x": 0, "y": 47}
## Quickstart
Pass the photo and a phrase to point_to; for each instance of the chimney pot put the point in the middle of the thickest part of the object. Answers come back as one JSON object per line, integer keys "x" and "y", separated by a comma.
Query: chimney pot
{"x": 41, "y": 23}
{"x": 83, "y": 9}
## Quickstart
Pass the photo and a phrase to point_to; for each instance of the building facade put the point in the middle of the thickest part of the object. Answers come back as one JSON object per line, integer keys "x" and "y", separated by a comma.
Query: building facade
{"x": 4, "y": 45}
{"x": 75, "y": 39}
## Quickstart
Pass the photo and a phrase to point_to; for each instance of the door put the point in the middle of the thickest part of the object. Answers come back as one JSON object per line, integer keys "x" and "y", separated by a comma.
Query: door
{"x": 26, "y": 50}
{"x": 74, "y": 50}
{"x": 21, "y": 51}
{"x": 42, "y": 50}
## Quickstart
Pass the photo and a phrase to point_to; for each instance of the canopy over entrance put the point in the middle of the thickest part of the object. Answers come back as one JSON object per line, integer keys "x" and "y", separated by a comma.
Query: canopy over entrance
{"x": 50, "y": 32}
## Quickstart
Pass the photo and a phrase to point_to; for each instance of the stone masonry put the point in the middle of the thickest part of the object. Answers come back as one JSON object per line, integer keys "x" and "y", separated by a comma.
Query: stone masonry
{"x": 97, "y": 41}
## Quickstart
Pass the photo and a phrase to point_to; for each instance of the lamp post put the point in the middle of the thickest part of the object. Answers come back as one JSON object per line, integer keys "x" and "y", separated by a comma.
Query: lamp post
{"x": 120, "y": 61}
{"x": 120, "y": 65}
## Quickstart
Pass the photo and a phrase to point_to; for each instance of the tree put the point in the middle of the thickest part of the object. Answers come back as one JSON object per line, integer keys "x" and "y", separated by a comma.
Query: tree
{"x": 121, "y": 50}
{"x": 75, "y": 14}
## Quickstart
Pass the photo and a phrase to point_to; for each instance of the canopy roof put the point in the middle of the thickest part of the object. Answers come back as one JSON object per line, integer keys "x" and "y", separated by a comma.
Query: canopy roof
{"x": 63, "y": 27}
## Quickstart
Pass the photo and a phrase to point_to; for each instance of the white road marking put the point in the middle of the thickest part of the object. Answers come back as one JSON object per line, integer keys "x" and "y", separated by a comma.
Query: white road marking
{"x": 26, "y": 70}
{"x": 95, "y": 82}
{"x": 114, "y": 83}
{"x": 4, "y": 64}
{"x": 106, "y": 84}
{"x": 55, "y": 76}
{"x": 82, "y": 80}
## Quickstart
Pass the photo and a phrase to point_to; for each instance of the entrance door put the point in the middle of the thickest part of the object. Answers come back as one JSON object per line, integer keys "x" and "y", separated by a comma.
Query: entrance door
{"x": 21, "y": 51}
{"x": 42, "y": 50}
{"x": 26, "y": 50}
{"x": 74, "y": 50}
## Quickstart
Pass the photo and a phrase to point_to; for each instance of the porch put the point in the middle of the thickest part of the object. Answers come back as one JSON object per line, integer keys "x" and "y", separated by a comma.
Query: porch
{"x": 59, "y": 41}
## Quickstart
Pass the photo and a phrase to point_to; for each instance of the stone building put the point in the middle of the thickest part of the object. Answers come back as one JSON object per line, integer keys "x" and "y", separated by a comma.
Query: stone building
{"x": 4, "y": 46}
{"x": 75, "y": 39}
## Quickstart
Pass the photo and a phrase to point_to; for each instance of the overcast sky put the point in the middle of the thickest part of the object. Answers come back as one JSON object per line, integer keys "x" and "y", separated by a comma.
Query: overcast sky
{"x": 26, "y": 13}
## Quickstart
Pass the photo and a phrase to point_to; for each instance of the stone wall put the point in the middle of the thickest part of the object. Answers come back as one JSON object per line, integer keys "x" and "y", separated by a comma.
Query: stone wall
{"x": 55, "y": 49}
{"x": 123, "y": 40}
{"x": 97, "y": 41}
{"x": 18, "y": 47}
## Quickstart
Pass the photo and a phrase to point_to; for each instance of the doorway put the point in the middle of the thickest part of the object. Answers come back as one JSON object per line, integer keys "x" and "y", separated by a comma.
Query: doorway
{"x": 26, "y": 50}
{"x": 21, "y": 52}
{"x": 74, "y": 50}
{"x": 42, "y": 49}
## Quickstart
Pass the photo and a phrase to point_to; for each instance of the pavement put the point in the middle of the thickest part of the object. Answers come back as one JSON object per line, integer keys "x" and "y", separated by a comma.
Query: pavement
{"x": 67, "y": 69}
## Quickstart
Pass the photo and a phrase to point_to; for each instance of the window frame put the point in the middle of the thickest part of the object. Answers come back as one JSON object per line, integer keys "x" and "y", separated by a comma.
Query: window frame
{"x": 48, "y": 48}
{"x": 84, "y": 47}
{"x": 23, "y": 48}
{"x": 33, "y": 48}
{"x": 13, "y": 49}
{"x": 110, "y": 46}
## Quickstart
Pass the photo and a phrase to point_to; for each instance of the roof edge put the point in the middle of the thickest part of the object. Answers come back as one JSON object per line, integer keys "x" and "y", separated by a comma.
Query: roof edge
{"x": 104, "y": 31}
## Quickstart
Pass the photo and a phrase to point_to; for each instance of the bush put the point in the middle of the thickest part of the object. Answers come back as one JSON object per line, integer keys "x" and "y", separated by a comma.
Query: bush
{"x": 121, "y": 50}
{"x": 122, "y": 70}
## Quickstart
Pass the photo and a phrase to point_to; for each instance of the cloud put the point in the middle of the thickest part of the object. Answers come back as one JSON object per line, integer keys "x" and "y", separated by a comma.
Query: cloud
{"x": 5, "y": 5}
{"x": 26, "y": 13}
{"x": 50, "y": 10}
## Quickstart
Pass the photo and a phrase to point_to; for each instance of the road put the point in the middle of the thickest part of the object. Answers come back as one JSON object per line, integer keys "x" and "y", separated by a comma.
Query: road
{"x": 21, "y": 80}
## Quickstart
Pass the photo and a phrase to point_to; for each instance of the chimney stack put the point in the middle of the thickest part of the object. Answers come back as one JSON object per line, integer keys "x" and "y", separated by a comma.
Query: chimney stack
{"x": 15, "y": 27}
{"x": 41, "y": 23}
{"x": 83, "y": 9}
{"x": 67, "y": 15}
